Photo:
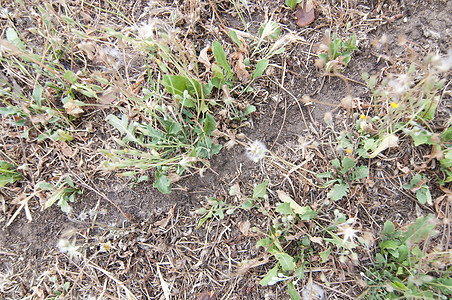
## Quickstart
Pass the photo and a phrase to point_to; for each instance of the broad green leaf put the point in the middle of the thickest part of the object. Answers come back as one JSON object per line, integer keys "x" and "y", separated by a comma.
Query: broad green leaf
{"x": 291, "y": 3}
{"x": 446, "y": 136}
{"x": 303, "y": 212}
{"x": 347, "y": 164}
{"x": 162, "y": 183}
{"x": 260, "y": 190}
{"x": 325, "y": 254}
{"x": 420, "y": 230}
{"x": 270, "y": 275}
{"x": 260, "y": 68}
{"x": 248, "y": 204}
{"x": 403, "y": 252}
{"x": 361, "y": 172}
{"x": 284, "y": 208}
{"x": 292, "y": 291}
{"x": 336, "y": 163}
{"x": 421, "y": 138}
{"x": 446, "y": 162}
{"x": 265, "y": 242}
{"x": 235, "y": 38}
{"x": 8, "y": 174}
{"x": 205, "y": 218}
{"x": 37, "y": 94}
{"x": 249, "y": 109}
{"x": 220, "y": 57}
{"x": 325, "y": 175}
{"x": 339, "y": 191}
{"x": 9, "y": 110}
{"x": 13, "y": 38}
{"x": 388, "y": 228}
{"x": 122, "y": 125}
{"x": 70, "y": 76}
{"x": 398, "y": 286}
{"x": 209, "y": 124}
{"x": 175, "y": 85}
{"x": 423, "y": 195}
{"x": 389, "y": 244}
{"x": 286, "y": 261}
{"x": 430, "y": 109}
{"x": 70, "y": 182}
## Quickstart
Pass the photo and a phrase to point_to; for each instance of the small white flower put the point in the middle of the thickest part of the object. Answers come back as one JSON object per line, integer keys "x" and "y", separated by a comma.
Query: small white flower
{"x": 256, "y": 151}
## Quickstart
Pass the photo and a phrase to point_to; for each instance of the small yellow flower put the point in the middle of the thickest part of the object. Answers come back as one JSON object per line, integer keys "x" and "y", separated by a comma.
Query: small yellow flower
{"x": 362, "y": 116}
{"x": 108, "y": 155}
{"x": 394, "y": 105}
{"x": 126, "y": 150}
{"x": 349, "y": 151}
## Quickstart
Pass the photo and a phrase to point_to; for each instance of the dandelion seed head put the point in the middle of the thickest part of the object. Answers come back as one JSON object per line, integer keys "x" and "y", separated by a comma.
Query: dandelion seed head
{"x": 256, "y": 151}
{"x": 348, "y": 232}
{"x": 66, "y": 246}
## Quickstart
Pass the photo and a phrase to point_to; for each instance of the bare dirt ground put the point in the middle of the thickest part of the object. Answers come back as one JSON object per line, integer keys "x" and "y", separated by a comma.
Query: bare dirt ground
{"x": 148, "y": 238}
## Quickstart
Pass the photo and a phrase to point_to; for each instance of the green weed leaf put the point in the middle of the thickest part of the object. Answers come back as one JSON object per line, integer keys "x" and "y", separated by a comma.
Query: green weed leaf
{"x": 292, "y": 291}
{"x": 347, "y": 164}
{"x": 260, "y": 190}
{"x": 175, "y": 85}
{"x": 162, "y": 183}
{"x": 235, "y": 38}
{"x": 13, "y": 38}
{"x": 361, "y": 172}
{"x": 70, "y": 76}
{"x": 260, "y": 68}
{"x": 8, "y": 174}
{"x": 286, "y": 261}
{"x": 284, "y": 208}
{"x": 220, "y": 57}
{"x": 248, "y": 204}
{"x": 339, "y": 191}
{"x": 270, "y": 275}
{"x": 388, "y": 229}
{"x": 209, "y": 124}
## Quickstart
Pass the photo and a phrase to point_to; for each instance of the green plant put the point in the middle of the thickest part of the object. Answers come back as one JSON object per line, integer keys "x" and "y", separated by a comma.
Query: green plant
{"x": 334, "y": 54}
{"x": 8, "y": 174}
{"x": 292, "y": 3}
{"x": 346, "y": 171}
{"x": 176, "y": 124}
{"x": 407, "y": 264}
{"x": 403, "y": 104}
{"x": 290, "y": 267}
{"x": 417, "y": 185}
{"x": 62, "y": 193}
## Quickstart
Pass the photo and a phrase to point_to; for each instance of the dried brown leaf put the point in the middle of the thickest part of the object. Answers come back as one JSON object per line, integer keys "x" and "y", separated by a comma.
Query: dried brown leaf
{"x": 88, "y": 48}
{"x": 164, "y": 222}
{"x": 73, "y": 109}
{"x": 204, "y": 57}
{"x": 305, "y": 14}
{"x": 252, "y": 263}
{"x": 240, "y": 68}
{"x": 244, "y": 227}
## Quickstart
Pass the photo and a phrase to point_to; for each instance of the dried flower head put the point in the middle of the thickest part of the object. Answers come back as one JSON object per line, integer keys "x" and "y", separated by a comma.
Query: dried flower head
{"x": 66, "y": 246}
{"x": 348, "y": 233}
{"x": 256, "y": 151}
